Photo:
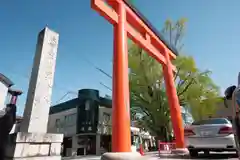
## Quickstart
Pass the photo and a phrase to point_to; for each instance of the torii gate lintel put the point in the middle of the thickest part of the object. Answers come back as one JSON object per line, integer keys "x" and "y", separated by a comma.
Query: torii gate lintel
{"x": 127, "y": 23}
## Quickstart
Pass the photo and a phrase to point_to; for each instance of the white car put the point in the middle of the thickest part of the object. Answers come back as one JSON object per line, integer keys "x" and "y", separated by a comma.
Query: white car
{"x": 214, "y": 134}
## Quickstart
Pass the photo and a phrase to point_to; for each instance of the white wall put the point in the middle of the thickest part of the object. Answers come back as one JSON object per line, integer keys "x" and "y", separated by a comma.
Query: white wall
{"x": 3, "y": 95}
{"x": 15, "y": 128}
{"x": 66, "y": 129}
{"x": 71, "y": 130}
{"x": 102, "y": 111}
{"x": 105, "y": 122}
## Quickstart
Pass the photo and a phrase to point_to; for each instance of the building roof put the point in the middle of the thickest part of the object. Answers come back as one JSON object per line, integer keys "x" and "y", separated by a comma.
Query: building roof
{"x": 64, "y": 106}
{"x": 106, "y": 102}
{"x": 73, "y": 103}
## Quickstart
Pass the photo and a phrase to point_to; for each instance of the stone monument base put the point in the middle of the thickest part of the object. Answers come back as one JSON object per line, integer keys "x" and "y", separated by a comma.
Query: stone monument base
{"x": 34, "y": 146}
{"x": 122, "y": 156}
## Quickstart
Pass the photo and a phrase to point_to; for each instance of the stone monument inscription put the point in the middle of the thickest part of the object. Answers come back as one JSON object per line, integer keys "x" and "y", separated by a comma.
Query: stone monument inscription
{"x": 41, "y": 82}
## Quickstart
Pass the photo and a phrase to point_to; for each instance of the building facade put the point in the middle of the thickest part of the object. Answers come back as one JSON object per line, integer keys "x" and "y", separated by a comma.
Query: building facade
{"x": 186, "y": 116}
{"x": 86, "y": 124}
{"x": 224, "y": 109}
{"x": 78, "y": 119}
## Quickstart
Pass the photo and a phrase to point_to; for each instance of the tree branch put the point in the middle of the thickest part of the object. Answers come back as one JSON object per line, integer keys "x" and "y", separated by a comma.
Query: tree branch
{"x": 187, "y": 86}
{"x": 142, "y": 110}
{"x": 180, "y": 81}
{"x": 141, "y": 99}
{"x": 176, "y": 74}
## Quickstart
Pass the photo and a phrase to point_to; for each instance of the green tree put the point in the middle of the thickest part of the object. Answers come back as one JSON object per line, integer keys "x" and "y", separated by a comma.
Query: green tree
{"x": 195, "y": 88}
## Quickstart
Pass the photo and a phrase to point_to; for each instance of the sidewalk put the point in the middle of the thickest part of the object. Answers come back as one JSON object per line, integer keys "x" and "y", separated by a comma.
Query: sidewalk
{"x": 155, "y": 155}
{"x": 147, "y": 156}
{"x": 82, "y": 158}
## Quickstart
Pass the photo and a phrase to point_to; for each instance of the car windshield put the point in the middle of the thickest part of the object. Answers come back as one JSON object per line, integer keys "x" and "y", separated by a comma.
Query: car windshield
{"x": 211, "y": 121}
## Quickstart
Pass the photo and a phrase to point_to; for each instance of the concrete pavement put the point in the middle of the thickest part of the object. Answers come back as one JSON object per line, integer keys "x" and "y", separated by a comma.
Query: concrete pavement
{"x": 83, "y": 158}
{"x": 155, "y": 156}
{"x": 217, "y": 156}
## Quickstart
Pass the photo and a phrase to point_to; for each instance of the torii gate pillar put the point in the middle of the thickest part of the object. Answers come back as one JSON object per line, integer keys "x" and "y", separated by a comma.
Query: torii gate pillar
{"x": 128, "y": 23}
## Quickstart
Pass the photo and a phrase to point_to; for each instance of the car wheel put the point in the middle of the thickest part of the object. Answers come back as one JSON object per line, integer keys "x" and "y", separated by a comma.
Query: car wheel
{"x": 193, "y": 153}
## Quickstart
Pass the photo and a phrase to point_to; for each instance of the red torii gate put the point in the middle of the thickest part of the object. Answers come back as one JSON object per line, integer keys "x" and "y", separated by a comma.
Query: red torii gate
{"x": 128, "y": 22}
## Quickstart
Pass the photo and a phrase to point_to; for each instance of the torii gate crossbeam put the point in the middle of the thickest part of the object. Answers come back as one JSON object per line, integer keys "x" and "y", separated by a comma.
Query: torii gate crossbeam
{"x": 128, "y": 23}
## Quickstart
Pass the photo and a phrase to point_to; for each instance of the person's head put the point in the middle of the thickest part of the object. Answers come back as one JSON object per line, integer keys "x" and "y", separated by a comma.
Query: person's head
{"x": 229, "y": 92}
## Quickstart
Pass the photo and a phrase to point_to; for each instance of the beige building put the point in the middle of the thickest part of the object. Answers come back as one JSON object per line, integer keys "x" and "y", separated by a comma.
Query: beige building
{"x": 66, "y": 122}
{"x": 224, "y": 109}
{"x": 86, "y": 124}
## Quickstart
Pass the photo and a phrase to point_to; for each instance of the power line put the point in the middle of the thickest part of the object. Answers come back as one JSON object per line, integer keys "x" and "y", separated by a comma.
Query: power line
{"x": 69, "y": 92}
{"x": 27, "y": 78}
{"x": 106, "y": 86}
{"x": 101, "y": 71}
{"x": 105, "y": 73}
{"x": 98, "y": 68}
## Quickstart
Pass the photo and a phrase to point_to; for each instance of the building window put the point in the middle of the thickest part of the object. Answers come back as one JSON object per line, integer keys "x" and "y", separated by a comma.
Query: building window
{"x": 71, "y": 119}
{"x": 106, "y": 118}
{"x": 87, "y": 105}
{"x": 58, "y": 125}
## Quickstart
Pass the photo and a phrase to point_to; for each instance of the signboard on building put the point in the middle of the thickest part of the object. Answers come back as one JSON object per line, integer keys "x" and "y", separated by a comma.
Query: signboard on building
{"x": 87, "y": 119}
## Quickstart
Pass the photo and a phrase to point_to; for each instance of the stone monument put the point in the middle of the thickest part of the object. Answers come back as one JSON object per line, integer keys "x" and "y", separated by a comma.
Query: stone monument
{"x": 33, "y": 141}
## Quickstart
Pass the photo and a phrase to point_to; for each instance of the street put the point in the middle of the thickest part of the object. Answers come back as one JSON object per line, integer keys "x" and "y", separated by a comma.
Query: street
{"x": 154, "y": 156}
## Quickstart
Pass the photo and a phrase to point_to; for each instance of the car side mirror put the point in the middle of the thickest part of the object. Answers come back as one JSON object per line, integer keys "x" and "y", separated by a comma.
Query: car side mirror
{"x": 229, "y": 92}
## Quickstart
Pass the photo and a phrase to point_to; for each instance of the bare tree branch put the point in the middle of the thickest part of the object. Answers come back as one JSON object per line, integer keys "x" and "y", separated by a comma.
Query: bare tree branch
{"x": 182, "y": 82}
{"x": 176, "y": 74}
{"x": 187, "y": 86}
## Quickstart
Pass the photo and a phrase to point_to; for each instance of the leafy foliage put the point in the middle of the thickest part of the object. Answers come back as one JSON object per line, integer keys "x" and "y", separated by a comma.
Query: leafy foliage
{"x": 195, "y": 88}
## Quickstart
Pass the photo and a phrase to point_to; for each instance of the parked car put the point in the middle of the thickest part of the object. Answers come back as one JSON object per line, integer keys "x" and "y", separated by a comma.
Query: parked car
{"x": 213, "y": 134}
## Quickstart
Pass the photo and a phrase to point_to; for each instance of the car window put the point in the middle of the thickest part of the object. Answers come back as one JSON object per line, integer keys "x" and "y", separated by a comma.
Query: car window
{"x": 211, "y": 121}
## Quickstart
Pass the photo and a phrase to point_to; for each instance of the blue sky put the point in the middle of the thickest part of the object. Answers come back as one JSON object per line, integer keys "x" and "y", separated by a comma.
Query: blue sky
{"x": 212, "y": 38}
